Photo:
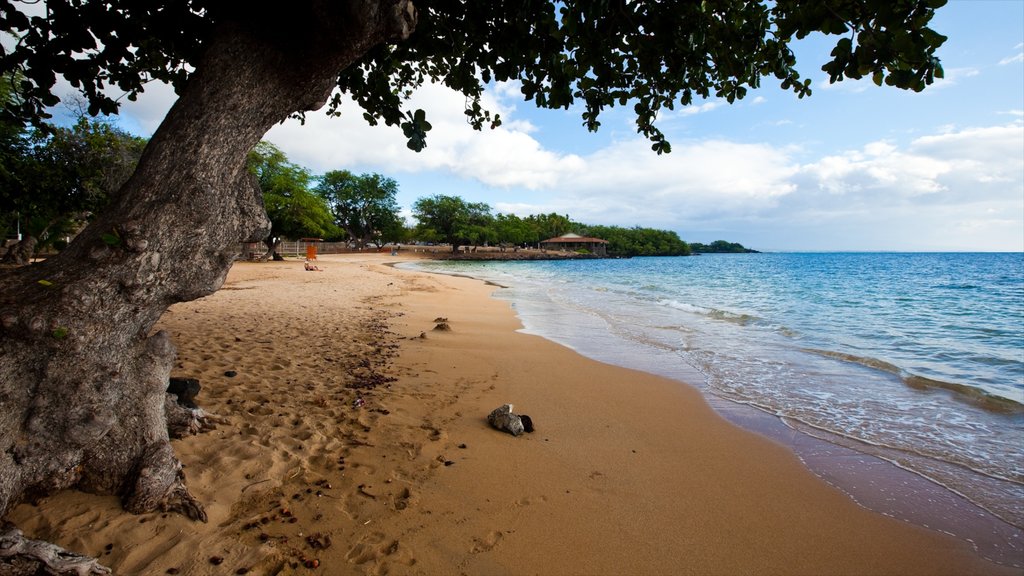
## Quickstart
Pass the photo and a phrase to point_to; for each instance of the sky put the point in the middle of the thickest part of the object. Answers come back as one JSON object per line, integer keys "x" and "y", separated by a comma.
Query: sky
{"x": 853, "y": 167}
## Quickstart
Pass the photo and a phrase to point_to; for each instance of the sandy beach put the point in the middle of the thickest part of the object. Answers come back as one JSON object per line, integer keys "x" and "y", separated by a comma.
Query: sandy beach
{"x": 353, "y": 440}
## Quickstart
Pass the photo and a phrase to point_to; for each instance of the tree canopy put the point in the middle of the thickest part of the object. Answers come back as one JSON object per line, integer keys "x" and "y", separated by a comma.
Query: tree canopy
{"x": 721, "y": 247}
{"x": 452, "y": 220}
{"x": 364, "y": 206}
{"x": 54, "y": 180}
{"x": 650, "y": 55}
{"x": 294, "y": 211}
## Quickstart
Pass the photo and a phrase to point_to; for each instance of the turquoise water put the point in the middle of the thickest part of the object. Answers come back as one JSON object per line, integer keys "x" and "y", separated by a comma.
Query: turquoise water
{"x": 914, "y": 358}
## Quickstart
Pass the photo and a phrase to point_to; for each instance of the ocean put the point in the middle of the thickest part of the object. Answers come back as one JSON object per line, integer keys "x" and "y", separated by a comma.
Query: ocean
{"x": 916, "y": 359}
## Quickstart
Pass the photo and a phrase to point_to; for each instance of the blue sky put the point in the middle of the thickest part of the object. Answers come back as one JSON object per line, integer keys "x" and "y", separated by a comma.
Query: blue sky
{"x": 853, "y": 167}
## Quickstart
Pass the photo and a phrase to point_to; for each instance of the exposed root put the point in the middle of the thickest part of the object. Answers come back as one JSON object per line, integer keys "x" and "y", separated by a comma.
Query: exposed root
{"x": 23, "y": 556}
{"x": 161, "y": 486}
{"x": 182, "y": 502}
{"x": 183, "y": 421}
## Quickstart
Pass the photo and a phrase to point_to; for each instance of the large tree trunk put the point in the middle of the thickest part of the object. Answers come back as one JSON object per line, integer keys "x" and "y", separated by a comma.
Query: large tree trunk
{"x": 273, "y": 245}
{"x": 82, "y": 377}
{"x": 21, "y": 252}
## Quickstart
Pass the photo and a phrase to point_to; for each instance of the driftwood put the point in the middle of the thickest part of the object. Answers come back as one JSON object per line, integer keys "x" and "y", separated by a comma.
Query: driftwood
{"x": 21, "y": 556}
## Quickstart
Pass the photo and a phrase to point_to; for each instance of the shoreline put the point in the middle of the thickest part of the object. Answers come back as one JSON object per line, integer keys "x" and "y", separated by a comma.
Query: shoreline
{"x": 355, "y": 435}
{"x": 873, "y": 478}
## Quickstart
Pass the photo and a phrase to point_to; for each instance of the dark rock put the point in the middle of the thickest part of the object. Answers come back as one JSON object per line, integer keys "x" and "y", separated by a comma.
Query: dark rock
{"x": 231, "y": 373}
{"x": 527, "y": 423}
{"x": 502, "y": 418}
{"x": 186, "y": 389}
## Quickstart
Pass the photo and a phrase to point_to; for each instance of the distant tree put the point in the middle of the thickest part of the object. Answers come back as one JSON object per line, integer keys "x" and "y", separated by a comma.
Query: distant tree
{"x": 511, "y": 230}
{"x": 639, "y": 241}
{"x": 364, "y": 206}
{"x": 453, "y": 220}
{"x": 64, "y": 177}
{"x": 294, "y": 211}
{"x": 550, "y": 225}
{"x": 15, "y": 153}
{"x": 720, "y": 247}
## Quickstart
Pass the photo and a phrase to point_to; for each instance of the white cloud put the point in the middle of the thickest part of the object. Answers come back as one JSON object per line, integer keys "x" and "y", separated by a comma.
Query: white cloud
{"x": 847, "y": 85}
{"x": 956, "y": 187}
{"x": 1018, "y": 57}
{"x": 700, "y": 108}
{"x": 912, "y": 195}
{"x": 954, "y": 76}
{"x": 627, "y": 184}
{"x": 149, "y": 110}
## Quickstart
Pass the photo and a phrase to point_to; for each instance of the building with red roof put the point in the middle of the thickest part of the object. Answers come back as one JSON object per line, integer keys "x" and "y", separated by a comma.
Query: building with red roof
{"x": 576, "y": 243}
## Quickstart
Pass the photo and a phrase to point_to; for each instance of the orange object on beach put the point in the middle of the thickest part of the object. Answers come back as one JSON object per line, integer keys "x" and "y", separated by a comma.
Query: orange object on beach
{"x": 311, "y": 252}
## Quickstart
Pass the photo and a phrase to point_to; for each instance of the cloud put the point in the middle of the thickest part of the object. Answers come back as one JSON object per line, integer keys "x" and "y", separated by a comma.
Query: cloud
{"x": 148, "y": 111}
{"x": 505, "y": 156}
{"x": 700, "y": 108}
{"x": 912, "y": 194}
{"x": 1018, "y": 57}
{"x": 955, "y": 188}
{"x": 627, "y": 184}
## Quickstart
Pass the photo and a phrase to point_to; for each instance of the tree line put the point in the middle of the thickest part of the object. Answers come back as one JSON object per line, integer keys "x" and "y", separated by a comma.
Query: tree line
{"x": 363, "y": 209}
{"x": 53, "y": 180}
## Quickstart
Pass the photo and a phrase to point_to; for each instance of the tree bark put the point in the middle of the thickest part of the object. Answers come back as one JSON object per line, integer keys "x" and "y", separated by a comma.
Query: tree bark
{"x": 83, "y": 378}
{"x": 273, "y": 245}
{"x": 21, "y": 253}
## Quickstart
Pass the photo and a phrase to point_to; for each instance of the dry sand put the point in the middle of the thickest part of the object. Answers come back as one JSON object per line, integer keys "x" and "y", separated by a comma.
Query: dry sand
{"x": 626, "y": 473}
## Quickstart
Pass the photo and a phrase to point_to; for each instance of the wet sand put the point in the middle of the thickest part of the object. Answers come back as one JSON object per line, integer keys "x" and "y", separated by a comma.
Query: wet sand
{"x": 355, "y": 440}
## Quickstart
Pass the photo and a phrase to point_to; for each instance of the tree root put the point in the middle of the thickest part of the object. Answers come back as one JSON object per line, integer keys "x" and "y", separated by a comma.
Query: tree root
{"x": 161, "y": 486}
{"x": 183, "y": 421}
{"x": 180, "y": 501}
{"x": 21, "y": 556}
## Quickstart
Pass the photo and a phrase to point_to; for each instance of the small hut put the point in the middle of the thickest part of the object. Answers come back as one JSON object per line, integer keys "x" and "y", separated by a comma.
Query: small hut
{"x": 576, "y": 243}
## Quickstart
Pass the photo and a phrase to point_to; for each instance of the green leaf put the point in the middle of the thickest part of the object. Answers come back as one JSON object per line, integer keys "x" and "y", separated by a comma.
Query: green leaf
{"x": 60, "y": 332}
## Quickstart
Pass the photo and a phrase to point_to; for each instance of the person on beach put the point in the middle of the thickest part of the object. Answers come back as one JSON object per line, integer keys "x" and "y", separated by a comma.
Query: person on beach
{"x": 312, "y": 267}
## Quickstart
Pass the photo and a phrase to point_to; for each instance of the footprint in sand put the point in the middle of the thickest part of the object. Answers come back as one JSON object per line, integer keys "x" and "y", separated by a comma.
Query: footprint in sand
{"x": 403, "y": 499}
{"x": 487, "y": 543}
{"x": 376, "y": 546}
{"x": 435, "y": 434}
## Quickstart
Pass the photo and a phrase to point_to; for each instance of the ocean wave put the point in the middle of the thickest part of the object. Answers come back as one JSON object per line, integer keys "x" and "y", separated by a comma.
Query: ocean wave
{"x": 971, "y": 394}
{"x": 735, "y": 318}
{"x": 958, "y": 287}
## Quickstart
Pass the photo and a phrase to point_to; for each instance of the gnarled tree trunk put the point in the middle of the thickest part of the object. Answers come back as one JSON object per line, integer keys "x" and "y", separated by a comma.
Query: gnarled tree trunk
{"x": 82, "y": 377}
{"x": 21, "y": 252}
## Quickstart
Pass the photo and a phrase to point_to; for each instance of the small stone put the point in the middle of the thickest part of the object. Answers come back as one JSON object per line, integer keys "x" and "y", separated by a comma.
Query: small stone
{"x": 216, "y": 560}
{"x": 527, "y": 423}
{"x": 231, "y": 373}
{"x": 502, "y": 418}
